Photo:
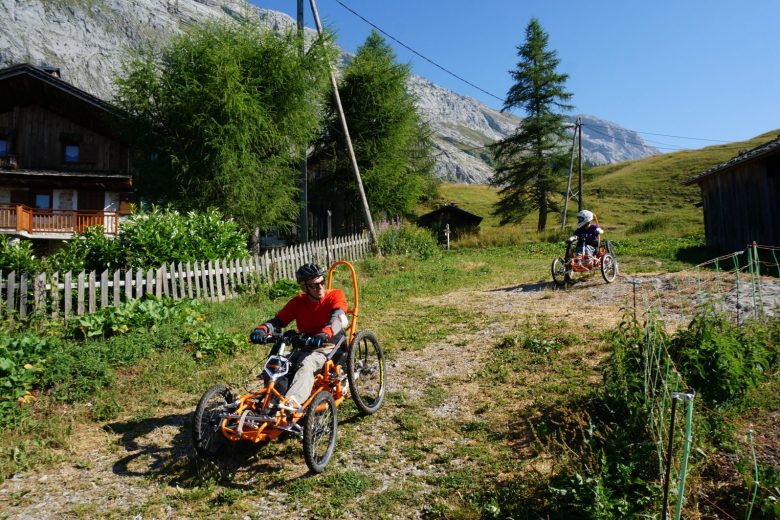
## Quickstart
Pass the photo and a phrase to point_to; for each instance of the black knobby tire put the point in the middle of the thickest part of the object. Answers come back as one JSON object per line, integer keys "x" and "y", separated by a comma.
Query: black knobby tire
{"x": 560, "y": 273}
{"x": 609, "y": 268}
{"x": 319, "y": 432}
{"x": 366, "y": 372}
{"x": 206, "y": 433}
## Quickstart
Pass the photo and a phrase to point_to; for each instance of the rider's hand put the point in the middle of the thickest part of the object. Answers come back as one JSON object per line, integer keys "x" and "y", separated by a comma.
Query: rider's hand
{"x": 259, "y": 335}
{"x": 317, "y": 340}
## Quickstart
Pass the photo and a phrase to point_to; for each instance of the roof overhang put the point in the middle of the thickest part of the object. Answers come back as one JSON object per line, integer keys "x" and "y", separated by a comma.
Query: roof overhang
{"x": 67, "y": 179}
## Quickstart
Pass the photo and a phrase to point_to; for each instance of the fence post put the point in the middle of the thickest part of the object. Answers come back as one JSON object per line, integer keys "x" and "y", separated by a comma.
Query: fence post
{"x": 129, "y": 284}
{"x": 68, "y": 294}
{"x": 117, "y": 288}
{"x": 23, "y": 295}
{"x": 92, "y": 292}
{"x": 39, "y": 294}
{"x": 174, "y": 282}
{"x": 149, "y": 289}
{"x": 688, "y": 397}
{"x": 104, "y": 289}
{"x": 55, "y": 295}
{"x": 80, "y": 294}
{"x": 158, "y": 279}
{"x": 11, "y": 293}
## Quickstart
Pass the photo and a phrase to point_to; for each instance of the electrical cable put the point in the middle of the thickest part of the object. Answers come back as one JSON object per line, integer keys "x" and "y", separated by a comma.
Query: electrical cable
{"x": 399, "y": 42}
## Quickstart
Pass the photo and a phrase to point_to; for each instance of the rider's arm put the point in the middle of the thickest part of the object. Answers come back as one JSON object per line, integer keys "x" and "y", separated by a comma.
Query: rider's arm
{"x": 282, "y": 318}
{"x": 338, "y": 317}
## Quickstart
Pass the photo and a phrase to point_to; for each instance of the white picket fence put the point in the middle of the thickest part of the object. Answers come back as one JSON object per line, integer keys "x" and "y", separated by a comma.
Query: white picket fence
{"x": 63, "y": 295}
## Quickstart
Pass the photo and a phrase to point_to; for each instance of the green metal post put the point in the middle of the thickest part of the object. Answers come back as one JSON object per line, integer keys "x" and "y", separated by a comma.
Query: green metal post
{"x": 755, "y": 474}
{"x": 686, "y": 450}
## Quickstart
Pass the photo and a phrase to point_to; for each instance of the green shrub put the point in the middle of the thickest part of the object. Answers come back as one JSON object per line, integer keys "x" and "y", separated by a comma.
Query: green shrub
{"x": 17, "y": 255}
{"x": 408, "y": 240}
{"x": 91, "y": 250}
{"x": 283, "y": 289}
{"x": 722, "y": 361}
{"x": 22, "y": 360}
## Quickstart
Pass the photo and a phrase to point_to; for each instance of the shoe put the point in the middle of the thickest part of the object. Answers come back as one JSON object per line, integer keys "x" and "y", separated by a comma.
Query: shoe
{"x": 292, "y": 405}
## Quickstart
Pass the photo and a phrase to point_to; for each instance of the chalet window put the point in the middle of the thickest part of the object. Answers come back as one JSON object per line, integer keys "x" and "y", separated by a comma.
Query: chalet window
{"x": 3, "y": 146}
{"x": 71, "y": 153}
{"x": 43, "y": 201}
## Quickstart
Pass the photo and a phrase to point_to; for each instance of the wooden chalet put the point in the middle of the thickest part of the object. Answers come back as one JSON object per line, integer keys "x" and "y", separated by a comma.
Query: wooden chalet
{"x": 741, "y": 199}
{"x": 459, "y": 220}
{"x": 63, "y": 166}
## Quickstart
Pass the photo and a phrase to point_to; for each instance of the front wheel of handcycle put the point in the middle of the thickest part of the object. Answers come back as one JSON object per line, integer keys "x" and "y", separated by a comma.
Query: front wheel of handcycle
{"x": 609, "y": 268}
{"x": 366, "y": 372}
{"x": 206, "y": 423}
{"x": 561, "y": 274}
{"x": 319, "y": 432}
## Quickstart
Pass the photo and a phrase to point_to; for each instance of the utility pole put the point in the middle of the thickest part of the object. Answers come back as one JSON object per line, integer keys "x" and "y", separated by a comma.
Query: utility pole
{"x": 579, "y": 189}
{"x": 304, "y": 172}
{"x": 350, "y": 150}
{"x": 569, "y": 194}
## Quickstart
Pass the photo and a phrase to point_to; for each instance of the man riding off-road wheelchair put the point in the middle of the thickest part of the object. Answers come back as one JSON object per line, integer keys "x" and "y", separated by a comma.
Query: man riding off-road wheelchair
{"x": 353, "y": 366}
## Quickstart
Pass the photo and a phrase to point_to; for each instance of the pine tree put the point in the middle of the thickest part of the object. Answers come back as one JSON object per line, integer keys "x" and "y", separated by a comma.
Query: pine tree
{"x": 527, "y": 160}
{"x": 392, "y": 143}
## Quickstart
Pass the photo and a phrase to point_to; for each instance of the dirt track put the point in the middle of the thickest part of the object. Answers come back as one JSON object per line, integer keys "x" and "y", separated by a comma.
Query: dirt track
{"x": 137, "y": 469}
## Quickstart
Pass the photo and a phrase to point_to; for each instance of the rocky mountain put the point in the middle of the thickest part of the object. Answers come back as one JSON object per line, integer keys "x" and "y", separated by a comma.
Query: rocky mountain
{"x": 86, "y": 39}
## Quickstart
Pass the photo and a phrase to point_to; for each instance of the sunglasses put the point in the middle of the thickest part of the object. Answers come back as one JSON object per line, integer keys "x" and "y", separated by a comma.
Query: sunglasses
{"x": 314, "y": 285}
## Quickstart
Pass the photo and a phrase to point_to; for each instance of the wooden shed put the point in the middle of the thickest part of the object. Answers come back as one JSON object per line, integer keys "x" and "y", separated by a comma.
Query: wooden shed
{"x": 741, "y": 199}
{"x": 459, "y": 220}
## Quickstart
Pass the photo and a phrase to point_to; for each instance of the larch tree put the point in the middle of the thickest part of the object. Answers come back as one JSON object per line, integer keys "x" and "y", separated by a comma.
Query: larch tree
{"x": 220, "y": 116}
{"x": 392, "y": 143}
{"x": 528, "y": 161}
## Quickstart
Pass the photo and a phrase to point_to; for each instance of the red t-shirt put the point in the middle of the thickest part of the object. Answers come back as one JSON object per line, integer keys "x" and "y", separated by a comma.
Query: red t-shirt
{"x": 313, "y": 317}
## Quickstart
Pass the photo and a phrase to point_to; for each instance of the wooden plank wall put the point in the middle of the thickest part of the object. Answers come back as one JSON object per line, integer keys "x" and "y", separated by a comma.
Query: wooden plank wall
{"x": 63, "y": 295}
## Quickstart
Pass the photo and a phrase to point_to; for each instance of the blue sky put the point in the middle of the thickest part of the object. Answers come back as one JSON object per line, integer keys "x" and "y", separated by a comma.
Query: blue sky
{"x": 705, "y": 69}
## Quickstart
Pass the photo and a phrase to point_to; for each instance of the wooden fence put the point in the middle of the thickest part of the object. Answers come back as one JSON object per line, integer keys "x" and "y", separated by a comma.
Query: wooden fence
{"x": 63, "y": 295}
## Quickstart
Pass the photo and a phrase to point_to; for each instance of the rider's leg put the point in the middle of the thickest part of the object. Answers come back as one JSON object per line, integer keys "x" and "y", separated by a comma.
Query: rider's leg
{"x": 300, "y": 389}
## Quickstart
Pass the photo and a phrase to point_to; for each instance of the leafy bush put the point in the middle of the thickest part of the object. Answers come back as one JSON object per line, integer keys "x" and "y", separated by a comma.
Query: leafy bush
{"x": 17, "y": 255}
{"x": 91, "y": 250}
{"x": 408, "y": 240}
{"x": 151, "y": 238}
{"x": 22, "y": 360}
{"x": 283, "y": 289}
{"x": 722, "y": 360}
{"x": 134, "y": 314}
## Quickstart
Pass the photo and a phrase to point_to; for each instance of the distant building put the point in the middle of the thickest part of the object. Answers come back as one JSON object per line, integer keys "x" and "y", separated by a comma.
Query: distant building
{"x": 460, "y": 221}
{"x": 63, "y": 166}
{"x": 741, "y": 199}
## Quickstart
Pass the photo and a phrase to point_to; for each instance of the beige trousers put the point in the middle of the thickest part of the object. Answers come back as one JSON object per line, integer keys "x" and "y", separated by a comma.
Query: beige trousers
{"x": 302, "y": 383}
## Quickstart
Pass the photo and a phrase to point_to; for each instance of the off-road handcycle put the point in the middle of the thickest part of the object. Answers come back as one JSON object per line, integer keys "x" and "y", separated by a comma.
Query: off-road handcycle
{"x": 355, "y": 367}
{"x": 563, "y": 268}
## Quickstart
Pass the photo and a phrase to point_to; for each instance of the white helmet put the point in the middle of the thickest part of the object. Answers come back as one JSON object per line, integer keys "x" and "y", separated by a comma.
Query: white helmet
{"x": 584, "y": 217}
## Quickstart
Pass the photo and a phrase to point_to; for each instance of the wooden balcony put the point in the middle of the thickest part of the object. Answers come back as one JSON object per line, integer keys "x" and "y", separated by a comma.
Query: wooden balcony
{"x": 53, "y": 223}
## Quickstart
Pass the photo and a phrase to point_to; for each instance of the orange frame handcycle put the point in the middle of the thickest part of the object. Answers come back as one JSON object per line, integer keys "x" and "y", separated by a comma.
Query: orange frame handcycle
{"x": 564, "y": 267}
{"x": 354, "y": 367}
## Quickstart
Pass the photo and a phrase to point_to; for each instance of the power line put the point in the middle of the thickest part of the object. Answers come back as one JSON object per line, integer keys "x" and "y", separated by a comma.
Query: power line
{"x": 667, "y": 135}
{"x": 399, "y": 42}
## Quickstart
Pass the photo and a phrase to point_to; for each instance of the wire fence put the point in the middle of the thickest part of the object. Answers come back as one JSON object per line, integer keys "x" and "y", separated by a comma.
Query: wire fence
{"x": 743, "y": 285}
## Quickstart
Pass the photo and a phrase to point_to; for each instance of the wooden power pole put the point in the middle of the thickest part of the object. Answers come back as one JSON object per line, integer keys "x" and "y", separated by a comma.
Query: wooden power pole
{"x": 350, "y": 150}
{"x": 304, "y": 171}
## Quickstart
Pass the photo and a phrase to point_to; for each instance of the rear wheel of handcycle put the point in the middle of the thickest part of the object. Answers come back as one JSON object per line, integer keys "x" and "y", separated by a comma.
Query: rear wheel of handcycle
{"x": 319, "y": 432}
{"x": 608, "y": 267}
{"x": 560, "y": 273}
{"x": 206, "y": 424}
{"x": 366, "y": 372}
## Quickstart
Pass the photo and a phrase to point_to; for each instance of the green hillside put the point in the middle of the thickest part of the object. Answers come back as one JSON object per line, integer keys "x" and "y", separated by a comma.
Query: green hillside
{"x": 630, "y": 198}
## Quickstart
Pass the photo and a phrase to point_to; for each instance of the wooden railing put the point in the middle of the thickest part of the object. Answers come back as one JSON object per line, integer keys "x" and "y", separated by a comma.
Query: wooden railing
{"x": 63, "y": 295}
{"x": 21, "y": 218}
